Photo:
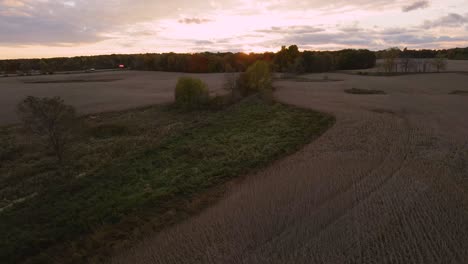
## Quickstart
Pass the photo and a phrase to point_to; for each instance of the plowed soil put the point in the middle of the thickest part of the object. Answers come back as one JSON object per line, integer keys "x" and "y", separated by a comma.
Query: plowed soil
{"x": 387, "y": 184}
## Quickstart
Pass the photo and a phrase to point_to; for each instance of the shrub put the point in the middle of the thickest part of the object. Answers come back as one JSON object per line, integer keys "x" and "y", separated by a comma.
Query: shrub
{"x": 219, "y": 102}
{"x": 50, "y": 119}
{"x": 191, "y": 93}
{"x": 259, "y": 77}
{"x": 9, "y": 149}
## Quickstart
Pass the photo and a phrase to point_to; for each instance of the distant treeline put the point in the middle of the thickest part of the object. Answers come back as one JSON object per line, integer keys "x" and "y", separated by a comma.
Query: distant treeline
{"x": 451, "y": 54}
{"x": 288, "y": 59}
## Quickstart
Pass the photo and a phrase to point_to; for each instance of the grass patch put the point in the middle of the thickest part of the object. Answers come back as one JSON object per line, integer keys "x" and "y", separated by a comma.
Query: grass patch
{"x": 363, "y": 91}
{"x": 108, "y": 131}
{"x": 460, "y": 92}
{"x": 163, "y": 158}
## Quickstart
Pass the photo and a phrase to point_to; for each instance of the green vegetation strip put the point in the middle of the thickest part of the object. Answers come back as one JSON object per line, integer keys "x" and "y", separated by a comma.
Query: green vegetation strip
{"x": 207, "y": 149}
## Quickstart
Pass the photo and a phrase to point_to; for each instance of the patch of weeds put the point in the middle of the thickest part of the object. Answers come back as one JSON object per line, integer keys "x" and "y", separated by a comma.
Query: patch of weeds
{"x": 108, "y": 130}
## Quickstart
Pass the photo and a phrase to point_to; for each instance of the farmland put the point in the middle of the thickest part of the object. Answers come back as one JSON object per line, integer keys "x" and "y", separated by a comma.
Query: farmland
{"x": 387, "y": 183}
{"x": 134, "y": 171}
{"x": 96, "y": 92}
{"x": 234, "y": 132}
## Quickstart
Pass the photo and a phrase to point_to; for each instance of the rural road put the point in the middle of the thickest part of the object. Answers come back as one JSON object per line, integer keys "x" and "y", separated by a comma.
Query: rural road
{"x": 387, "y": 184}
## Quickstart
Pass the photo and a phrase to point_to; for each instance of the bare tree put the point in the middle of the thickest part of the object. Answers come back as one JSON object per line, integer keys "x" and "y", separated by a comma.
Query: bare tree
{"x": 440, "y": 62}
{"x": 426, "y": 65}
{"x": 418, "y": 65}
{"x": 50, "y": 119}
{"x": 405, "y": 64}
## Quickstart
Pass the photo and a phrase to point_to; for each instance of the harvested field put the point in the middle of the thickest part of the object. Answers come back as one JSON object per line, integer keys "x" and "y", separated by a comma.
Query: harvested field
{"x": 74, "y": 81}
{"x": 387, "y": 184}
{"x": 363, "y": 91}
{"x": 459, "y": 92}
{"x": 96, "y": 92}
{"x": 300, "y": 78}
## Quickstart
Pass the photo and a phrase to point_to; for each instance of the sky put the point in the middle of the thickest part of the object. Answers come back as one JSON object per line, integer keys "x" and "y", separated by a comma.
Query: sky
{"x": 51, "y": 28}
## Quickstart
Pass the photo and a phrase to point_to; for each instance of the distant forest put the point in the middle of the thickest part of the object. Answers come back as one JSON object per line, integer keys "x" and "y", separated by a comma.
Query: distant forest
{"x": 451, "y": 54}
{"x": 288, "y": 59}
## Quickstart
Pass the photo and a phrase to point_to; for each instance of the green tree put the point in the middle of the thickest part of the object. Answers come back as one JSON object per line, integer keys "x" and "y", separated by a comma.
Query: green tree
{"x": 259, "y": 76}
{"x": 298, "y": 65}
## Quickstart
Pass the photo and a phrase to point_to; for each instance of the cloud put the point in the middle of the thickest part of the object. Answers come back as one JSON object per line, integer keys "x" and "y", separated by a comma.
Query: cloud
{"x": 250, "y": 25}
{"x": 194, "y": 20}
{"x": 12, "y": 3}
{"x": 360, "y": 37}
{"x": 203, "y": 42}
{"x": 450, "y": 20}
{"x": 29, "y": 30}
{"x": 397, "y": 31}
{"x": 328, "y": 38}
{"x": 333, "y": 4}
{"x": 416, "y": 5}
{"x": 52, "y": 22}
{"x": 291, "y": 30}
{"x": 420, "y": 40}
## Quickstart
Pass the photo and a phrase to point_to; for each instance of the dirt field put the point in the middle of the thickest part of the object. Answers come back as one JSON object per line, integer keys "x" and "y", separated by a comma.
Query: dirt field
{"x": 387, "y": 184}
{"x": 96, "y": 92}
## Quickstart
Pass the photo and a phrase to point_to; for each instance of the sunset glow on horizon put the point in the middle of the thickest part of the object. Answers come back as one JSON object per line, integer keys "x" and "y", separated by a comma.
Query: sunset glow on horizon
{"x": 51, "y": 28}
